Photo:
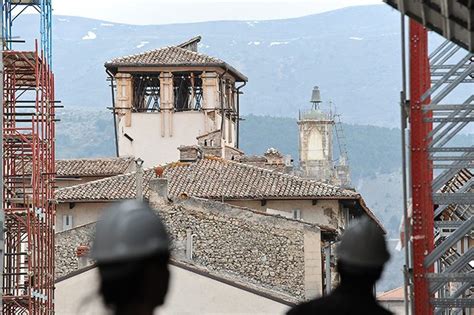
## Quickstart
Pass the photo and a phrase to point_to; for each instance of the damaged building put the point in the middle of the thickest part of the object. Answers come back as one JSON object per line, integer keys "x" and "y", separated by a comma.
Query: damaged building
{"x": 247, "y": 221}
{"x": 224, "y": 180}
{"x": 316, "y": 145}
{"x": 167, "y": 97}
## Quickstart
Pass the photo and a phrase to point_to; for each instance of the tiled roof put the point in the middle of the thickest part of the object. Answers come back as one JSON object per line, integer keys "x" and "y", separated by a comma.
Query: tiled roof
{"x": 214, "y": 178}
{"x": 171, "y": 56}
{"x": 211, "y": 178}
{"x": 93, "y": 167}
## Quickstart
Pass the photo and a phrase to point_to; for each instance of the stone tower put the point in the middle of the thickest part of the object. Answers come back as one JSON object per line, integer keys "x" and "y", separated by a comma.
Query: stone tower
{"x": 316, "y": 142}
{"x": 167, "y": 98}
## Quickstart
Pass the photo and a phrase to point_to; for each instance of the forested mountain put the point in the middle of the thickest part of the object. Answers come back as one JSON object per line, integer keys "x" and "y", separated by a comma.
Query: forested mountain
{"x": 353, "y": 54}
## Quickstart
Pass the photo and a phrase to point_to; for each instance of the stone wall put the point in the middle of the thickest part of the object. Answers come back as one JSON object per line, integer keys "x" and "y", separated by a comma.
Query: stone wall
{"x": 66, "y": 246}
{"x": 189, "y": 153}
{"x": 244, "y": 244}
{"x": 262, "y": 250}
{"x": 231, "y": 153}
{"x": 265, "y": 249}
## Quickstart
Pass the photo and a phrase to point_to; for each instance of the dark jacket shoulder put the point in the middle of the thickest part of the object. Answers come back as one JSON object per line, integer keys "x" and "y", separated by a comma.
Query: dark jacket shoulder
{"x": 334, "y": 304}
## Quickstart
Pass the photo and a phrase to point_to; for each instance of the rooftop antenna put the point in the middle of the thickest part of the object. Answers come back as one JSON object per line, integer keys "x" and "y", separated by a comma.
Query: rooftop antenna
{"x": 331, "y": 116}
{"x": 316, "y": 97}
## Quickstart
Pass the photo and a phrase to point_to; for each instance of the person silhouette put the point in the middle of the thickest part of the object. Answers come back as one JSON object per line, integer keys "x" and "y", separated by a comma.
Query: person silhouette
{"x": 132, "y": 251}
{"x": 361, "y": 256}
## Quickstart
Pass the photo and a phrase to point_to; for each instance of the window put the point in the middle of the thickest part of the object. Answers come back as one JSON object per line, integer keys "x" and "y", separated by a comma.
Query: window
{"x": 297, "y": 214}
{"x": 146, "y": 93}
{"x": 187, "y": 91}
{"x": 67, "y": 222}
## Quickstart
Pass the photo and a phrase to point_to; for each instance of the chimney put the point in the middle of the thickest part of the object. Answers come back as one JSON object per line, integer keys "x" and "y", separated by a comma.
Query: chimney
{"x": 82, "y": 252}
{"x": 273, "y": 156}
{"x": 190, "y": 153}
{"x": 159, "y": 186}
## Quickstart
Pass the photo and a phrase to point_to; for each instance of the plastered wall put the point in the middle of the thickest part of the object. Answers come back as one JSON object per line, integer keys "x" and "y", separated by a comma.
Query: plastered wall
{"x": 325, "y": 212}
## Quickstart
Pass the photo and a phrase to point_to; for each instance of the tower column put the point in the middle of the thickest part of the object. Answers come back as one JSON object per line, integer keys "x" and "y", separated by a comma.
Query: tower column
{"x": 167, "y": 102}
{"x": 124, "y": 96}
{"x": 210, "y": 99}
{"x": 316, "y": 140}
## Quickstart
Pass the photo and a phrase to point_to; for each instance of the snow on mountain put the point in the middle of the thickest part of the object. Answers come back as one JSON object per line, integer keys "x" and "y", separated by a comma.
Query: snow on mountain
{"x": 90, "y": 35}
{"x": 361, "y": 77}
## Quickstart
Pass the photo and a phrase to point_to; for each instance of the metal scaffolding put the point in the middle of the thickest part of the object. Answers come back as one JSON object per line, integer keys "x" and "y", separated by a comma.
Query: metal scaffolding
{"x": 12, "y": 9}
{"x": 28, "y": 174}
{"x": 28, "y": 165}
{"x": 439, "y": 271}
{"x": 442, "y": 187}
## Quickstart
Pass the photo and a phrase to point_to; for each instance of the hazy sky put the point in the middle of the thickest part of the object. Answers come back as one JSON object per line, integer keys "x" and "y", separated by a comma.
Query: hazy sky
{"x": 182, "y": 11}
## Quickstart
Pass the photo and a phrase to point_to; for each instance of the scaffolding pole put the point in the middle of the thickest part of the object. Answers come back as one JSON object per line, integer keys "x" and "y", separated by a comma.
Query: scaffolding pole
{"x": 29, "y": 175}
{"x": 12, "y": 9}
{"x": 2, "y": 213}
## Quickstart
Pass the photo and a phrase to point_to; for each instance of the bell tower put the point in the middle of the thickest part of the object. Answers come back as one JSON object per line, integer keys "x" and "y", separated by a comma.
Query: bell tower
{"x": 316, "y": 141}
{"x": 169, "y": 97}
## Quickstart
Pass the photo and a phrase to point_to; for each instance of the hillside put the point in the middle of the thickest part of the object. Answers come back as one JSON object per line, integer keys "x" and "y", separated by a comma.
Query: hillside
{"x": 372, "y": 150}
{"x": 353, "y": 54}
{"x": 355, "y": 61}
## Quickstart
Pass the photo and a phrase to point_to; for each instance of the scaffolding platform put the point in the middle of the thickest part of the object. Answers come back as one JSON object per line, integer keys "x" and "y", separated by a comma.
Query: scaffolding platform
{"x": 28, "y": 173}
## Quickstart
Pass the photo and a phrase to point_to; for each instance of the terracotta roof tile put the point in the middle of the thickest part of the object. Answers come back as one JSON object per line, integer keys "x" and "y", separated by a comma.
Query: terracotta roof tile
{"x": 171, "y": 55}
{"x": 212, "y": 179}
{"x": 96, "y": 167}
{"x": 93, "y": 167}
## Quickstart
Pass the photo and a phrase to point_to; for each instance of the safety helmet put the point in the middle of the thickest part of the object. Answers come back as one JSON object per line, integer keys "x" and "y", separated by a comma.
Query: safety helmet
{"x": 129, "y": 230}
{"x": 363, "y": 245}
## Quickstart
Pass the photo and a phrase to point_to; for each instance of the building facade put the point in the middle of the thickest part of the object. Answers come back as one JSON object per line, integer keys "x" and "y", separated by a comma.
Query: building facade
{"x": 316, "y": 145}
{"x": 279, "y": 256}
{"x": 167, "y": 97}
{"x": 228, "y": 181}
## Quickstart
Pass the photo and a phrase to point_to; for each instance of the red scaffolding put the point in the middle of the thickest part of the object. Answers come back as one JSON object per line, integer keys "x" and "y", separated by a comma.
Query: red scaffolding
{"x": 28, "y": 172}
{"x": 421, "y": 169}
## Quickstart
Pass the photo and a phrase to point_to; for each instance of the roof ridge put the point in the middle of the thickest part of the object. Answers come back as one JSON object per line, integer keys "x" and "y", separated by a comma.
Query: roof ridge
{"x": 163, "y": 48}
{"x": 91, "y": 182}
{"x": 111, "y": 177}
{"x": 137, "y": 54}
{"x": 198, "y": 53}
{"x": 289, "y": 175}
{"x": 97, "y": 159}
